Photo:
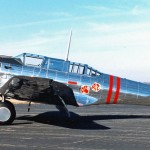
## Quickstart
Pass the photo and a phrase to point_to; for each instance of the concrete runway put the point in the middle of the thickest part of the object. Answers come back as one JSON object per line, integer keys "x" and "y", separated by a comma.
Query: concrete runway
{"x": 111, "y": 127}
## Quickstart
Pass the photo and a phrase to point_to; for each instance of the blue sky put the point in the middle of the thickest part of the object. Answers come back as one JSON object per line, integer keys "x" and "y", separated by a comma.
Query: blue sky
{"x": 113, "y": 36}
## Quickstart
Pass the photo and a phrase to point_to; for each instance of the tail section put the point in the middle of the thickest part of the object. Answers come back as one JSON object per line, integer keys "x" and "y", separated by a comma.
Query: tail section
{"x": 123, "y": 91}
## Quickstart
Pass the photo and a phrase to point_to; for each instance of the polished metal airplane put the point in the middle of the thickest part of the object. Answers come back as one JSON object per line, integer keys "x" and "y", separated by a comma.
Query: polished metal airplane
{"x": 36, "y": 78}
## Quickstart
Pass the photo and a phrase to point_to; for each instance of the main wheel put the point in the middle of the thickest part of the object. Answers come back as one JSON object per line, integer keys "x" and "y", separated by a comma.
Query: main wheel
{"x": 7, "y": 113}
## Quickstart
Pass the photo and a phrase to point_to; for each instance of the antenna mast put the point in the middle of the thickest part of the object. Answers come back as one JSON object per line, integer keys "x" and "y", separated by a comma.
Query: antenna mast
{"x": 69, "y": 45}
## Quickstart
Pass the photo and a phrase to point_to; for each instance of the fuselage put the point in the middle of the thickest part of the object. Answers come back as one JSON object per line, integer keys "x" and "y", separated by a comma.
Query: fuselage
{"x": 89, "y": 85}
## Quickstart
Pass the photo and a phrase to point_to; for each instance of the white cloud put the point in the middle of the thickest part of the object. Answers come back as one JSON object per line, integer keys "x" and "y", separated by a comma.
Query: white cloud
{"x": 137, "y": 10}
{"x": 101, "y": 8}
{"x": 61, "y": 14}
{"x": 27, "y": 24}
{"x": 118, "y": 27}
{"x": 51, "y": 14}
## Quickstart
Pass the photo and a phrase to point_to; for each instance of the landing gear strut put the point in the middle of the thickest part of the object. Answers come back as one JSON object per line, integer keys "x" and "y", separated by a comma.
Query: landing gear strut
{"x": 7, "y": 112}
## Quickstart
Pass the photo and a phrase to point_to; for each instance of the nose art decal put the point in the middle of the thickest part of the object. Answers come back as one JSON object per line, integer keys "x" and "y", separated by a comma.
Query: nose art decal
{"x": 96, "y": 87}
{"x": 85, "y": 89}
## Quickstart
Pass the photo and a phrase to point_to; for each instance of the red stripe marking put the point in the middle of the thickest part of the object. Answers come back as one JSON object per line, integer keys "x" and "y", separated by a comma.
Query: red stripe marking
{"x": 117, "y": 90}
{"x": 72, "y": 82}
{"x": 111, "y": 82}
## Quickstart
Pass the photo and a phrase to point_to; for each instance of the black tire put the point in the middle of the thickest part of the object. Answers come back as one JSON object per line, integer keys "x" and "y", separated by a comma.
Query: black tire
{"x": 7, "y": 113}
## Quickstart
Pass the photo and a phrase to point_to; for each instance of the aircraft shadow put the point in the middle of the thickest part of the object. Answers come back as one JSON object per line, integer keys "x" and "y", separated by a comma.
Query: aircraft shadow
{"x": 76, "y": 121}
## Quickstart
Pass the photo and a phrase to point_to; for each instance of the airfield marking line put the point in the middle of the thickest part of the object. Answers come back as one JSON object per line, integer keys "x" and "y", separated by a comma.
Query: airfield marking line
{"x": 117, "y": 90}
{"x": 111, "y": 82}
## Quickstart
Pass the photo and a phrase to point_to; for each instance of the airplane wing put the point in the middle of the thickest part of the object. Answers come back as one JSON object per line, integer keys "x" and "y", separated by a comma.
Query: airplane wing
{"x": 34, "y": 89}
{"x": 38, "y": 89}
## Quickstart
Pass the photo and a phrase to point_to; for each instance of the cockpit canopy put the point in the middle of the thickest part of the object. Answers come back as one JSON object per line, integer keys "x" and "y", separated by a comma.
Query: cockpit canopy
{"x": 56, "y": 64}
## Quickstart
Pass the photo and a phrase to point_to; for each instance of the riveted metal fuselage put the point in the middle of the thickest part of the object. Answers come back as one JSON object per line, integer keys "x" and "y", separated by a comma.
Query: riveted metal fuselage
{"x": 88, "y": 88}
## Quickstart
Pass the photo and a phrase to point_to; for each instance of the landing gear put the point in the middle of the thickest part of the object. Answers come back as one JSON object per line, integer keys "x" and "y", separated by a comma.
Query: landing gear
{"x": 63, "y": 108}
{"x": 7, "y": 112}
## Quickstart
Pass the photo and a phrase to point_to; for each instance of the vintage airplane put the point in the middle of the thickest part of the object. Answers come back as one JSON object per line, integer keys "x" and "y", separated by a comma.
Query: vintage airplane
{"x": 41, "y": 79}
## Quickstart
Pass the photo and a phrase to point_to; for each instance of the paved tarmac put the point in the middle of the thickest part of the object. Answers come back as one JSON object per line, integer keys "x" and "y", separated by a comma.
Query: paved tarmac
{"x": 105, "y": 127}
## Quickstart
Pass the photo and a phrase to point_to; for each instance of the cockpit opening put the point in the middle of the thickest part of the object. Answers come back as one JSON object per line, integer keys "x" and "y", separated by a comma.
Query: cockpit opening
{"x": 76, "y": 68}
{"x": 30, "y": 59}
{"x": 82, "y": 69}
